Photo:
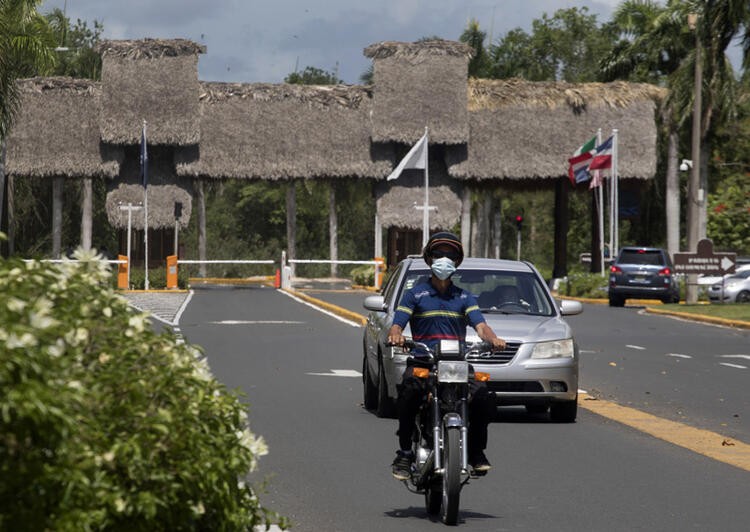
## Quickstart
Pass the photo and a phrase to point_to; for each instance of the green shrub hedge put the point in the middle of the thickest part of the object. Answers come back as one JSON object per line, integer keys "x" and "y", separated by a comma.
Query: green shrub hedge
{"x": 105, "y": 425}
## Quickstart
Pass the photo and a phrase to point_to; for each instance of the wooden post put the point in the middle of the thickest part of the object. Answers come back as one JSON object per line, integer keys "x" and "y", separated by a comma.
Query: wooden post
{"x": 57, "y": 206}
{"x": 291, "y": 223}
{"x": 333, "y": 228}
{"x": 86, "y": 210}
{"x": 466, "y": 220}
{"x": 560, "y": 267}
{"x": 200, "y": 198}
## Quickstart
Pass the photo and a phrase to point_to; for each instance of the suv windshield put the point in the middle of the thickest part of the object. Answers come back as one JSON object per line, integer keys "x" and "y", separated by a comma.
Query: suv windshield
{"x": 641, "y": 256}
{"x": 503, "y": 292}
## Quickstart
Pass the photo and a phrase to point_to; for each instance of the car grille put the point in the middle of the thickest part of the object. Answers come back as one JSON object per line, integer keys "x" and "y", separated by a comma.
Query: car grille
{"x": 500, "y": 357}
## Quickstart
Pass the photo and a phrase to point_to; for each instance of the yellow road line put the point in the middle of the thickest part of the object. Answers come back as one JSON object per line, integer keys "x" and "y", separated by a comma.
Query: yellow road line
{"x": 705, "y": 442}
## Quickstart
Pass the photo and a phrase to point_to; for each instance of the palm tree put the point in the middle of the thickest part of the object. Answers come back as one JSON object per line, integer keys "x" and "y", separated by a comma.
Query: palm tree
{"x": 25, "y": 48}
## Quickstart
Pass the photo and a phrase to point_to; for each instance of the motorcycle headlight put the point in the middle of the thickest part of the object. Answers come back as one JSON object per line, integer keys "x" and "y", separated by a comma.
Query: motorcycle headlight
{"x": 555, "y": 349}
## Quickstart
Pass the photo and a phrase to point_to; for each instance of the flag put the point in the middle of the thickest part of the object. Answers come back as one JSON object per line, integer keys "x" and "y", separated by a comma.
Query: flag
{"x": 596, "y": 179}
{"x": 579, "y": 168}
{"x": 416, "y": 158}
{"x": 603, "y": 156}
{"x": 144, "y": 157}
{"x": 578, "y": 164}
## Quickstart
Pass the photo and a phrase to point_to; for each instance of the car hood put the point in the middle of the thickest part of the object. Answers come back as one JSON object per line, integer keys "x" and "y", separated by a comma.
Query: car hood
{"x": 523, "y": 328}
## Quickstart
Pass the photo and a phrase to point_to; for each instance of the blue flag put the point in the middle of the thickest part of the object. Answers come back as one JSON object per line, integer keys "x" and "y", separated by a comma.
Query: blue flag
{"x": 144, "y": 157}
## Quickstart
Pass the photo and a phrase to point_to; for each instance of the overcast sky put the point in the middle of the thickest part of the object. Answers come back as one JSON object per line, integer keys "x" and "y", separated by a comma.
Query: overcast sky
{"x": 264, "y": 41}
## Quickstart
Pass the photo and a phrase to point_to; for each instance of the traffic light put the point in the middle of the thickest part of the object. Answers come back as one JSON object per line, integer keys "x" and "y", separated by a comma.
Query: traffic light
{"x": 519, "y": 222}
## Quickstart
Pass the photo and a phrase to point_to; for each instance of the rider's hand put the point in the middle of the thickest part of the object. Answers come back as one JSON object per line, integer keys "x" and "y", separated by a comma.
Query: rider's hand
{"x": 498, "y": 343}
{"x": 395, "y": 339}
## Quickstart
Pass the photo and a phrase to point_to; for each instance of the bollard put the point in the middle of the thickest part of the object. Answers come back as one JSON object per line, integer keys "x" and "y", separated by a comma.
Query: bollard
{"x": 172, "y": 271}
{"x": 122, "y": 272}
{"x": 277, "y": 281}
{"x": 379, "y": 270}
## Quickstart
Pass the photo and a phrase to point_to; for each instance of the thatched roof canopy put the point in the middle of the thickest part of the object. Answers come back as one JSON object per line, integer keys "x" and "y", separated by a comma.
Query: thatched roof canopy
{"x": 418, "y": 85}
{"x": 523, "y": 130}
{"x": 161, "y": 200}
{"x": 285, "y": 131}
{"x": 153, "y": 80}
{"x": 56, "y": 132}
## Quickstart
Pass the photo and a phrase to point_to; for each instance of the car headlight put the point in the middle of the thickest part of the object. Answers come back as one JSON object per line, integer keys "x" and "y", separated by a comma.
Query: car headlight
{"x": 555, "y": 349}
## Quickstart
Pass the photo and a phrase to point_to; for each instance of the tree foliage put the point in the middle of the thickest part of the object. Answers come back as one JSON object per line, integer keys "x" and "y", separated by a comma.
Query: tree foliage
{"x": 107, "y": 425}
{"x": 76, "y": 57}
{"x": 312, "y": 76}
{"x": 25, "y": 50}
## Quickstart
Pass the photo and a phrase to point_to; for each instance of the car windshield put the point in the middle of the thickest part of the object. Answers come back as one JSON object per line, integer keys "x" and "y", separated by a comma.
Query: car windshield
{"x": 641, "y": 256}
{"x": 503, "y": 292}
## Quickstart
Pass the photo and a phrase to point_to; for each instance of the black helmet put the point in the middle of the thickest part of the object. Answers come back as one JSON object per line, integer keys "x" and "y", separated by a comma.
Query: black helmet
{"x": 440, "y": 239}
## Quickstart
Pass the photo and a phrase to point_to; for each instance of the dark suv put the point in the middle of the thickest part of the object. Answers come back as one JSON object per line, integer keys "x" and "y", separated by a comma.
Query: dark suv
{"x": 643, "y": 273}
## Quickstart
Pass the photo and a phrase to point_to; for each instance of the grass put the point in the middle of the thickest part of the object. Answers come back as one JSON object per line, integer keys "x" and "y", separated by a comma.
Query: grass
{"x": 729, "y": 311}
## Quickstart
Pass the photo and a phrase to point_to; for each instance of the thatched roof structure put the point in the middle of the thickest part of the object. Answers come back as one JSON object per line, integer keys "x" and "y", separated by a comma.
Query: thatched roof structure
{"x": 525, "y": 130}
{"x": 284, "y": 131}
{"x": 152, "y": 80}
{"x": 56, "y": 132}
{"x": 161, "y": 200}
{"x": 418, "y": 85}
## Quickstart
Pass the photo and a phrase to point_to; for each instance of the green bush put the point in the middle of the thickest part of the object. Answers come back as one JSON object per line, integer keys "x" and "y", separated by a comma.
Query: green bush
{"x": 591, "y": 285}
{"x": 105, "y": 425}
{"x": 363, "y": 275}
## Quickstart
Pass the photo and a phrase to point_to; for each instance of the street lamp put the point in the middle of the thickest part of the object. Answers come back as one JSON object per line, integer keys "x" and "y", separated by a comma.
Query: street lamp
{"x": 686, "y": 165}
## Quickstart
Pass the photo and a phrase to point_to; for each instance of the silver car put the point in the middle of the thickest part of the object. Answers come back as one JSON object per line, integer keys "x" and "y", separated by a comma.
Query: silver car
{"x": 734, "y": 289}
{"x": 537, "y": 369}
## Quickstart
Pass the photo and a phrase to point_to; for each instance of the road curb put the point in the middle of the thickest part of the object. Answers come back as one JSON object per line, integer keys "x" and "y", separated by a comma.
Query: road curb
{"x": 700, "y": 317}
{"x": 330, "y": 307}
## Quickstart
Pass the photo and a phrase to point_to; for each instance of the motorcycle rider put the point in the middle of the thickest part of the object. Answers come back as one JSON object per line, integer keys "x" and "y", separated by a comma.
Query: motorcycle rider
{"x": 439, "y": 310}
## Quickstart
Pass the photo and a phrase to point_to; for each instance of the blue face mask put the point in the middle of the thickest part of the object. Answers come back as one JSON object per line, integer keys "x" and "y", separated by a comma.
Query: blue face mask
{"x": 443, "y": 268}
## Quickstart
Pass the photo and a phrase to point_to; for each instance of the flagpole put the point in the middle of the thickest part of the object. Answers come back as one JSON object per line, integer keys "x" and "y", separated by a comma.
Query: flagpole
{"x": 600, "y": 206}
{"x": 426, "y": 213}
{"x": 145, "y": 204}
{"x": 617, "y": 190}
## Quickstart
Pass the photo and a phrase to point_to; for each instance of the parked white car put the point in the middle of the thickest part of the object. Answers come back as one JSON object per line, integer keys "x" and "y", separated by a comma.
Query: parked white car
{"x": 735, "y": 288}
{"x": 708, "y": 280}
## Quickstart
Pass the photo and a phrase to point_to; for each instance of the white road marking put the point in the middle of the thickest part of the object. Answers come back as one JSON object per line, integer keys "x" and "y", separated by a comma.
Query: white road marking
{"x": 636, "y": 347}
{"x": 256, "y": 322}
{"x": 587, "y": 352}
{"x": 737, "y": 366}
{"x": 339, "y": 373}
{"x": 746, "y": 357}
{"x": 324, "y": 311}
{"x": 184, "y": 305}
{"x": 678, "y": 355}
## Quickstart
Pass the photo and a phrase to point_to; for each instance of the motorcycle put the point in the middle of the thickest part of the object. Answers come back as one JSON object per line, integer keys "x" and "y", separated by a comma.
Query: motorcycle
{"x": 440, "y": 443}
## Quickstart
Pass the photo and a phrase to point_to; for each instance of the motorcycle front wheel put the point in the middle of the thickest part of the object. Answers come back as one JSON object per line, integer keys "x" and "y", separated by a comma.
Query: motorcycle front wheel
{"x": 451, "y": 475}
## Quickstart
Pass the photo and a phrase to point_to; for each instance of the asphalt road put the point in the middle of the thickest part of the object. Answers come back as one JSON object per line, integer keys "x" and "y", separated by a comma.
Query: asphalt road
{"x": 329, "y": 462}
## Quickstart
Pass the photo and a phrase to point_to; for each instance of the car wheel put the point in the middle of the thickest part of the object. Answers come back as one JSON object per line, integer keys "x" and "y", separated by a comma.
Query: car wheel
{"x": 743, "y": 297}
{"x": 385, "y": 407}
{"x": 616, "y": 301}
{"x": 564, "y": 412}
{"x": 370, "y": 390}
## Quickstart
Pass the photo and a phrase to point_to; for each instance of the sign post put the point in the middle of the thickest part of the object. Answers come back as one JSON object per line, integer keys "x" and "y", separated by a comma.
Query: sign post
{"x": 705, "y": 261}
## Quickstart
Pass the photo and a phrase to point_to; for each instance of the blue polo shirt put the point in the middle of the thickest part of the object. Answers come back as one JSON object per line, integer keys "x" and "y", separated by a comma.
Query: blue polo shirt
{"x": 435, "y": 316}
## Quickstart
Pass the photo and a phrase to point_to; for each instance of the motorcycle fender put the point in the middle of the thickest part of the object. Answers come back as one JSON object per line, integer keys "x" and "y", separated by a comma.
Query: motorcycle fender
{"x": 451, "y": 419}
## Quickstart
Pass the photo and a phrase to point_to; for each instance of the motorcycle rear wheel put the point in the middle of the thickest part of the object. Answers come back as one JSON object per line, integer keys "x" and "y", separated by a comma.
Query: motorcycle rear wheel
{"x": 451, "y": 476}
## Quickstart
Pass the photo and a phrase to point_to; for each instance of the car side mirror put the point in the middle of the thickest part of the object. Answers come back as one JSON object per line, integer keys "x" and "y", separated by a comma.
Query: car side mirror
{"x": 568, "y": 307}
{"x": 376, "y": 303}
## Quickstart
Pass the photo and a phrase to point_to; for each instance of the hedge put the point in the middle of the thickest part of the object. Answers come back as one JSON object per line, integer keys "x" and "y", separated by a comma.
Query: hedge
{"x": 105, "y": 425}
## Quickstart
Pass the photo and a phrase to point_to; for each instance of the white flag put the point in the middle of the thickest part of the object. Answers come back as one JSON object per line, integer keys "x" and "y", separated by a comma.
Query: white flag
{"x": 416, "y": 158}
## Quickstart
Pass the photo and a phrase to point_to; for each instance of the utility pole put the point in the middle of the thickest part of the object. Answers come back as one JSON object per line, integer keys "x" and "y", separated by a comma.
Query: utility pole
{"x": 696, "y": 195}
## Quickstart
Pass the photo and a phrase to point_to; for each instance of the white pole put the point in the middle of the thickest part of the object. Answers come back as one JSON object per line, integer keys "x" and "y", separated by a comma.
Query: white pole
{"x": 426, "y": 213}
{"x": 617, "y": 190}
{"x": 130, "y": 224}
{"x": 145, "y": 211}
{"x": 599, "y": 195}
